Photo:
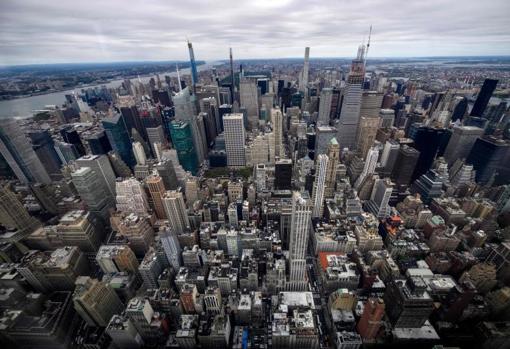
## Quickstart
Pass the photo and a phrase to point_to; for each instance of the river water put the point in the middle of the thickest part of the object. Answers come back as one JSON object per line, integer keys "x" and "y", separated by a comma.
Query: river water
{"x": 24, "y": 107}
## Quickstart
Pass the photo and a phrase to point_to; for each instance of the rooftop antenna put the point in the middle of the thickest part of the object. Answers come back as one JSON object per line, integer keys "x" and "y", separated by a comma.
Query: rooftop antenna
{"x": 178, "y": 77}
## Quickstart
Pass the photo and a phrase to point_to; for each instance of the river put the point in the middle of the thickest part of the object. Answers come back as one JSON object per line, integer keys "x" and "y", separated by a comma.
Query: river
{"x": 24, "y": 107}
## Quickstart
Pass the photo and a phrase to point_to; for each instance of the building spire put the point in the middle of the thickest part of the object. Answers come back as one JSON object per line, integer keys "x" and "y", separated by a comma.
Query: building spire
{"x": 178, "y": 77}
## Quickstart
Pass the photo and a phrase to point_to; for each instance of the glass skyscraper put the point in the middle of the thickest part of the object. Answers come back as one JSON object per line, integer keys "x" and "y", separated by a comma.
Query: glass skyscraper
{"x": 182, "y": 140}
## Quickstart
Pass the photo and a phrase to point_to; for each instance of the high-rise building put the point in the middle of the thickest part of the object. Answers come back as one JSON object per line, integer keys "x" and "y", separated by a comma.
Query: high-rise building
{"x": 323, "y": 136}
{"x": 379, "y": 200}
{"x": 482, "y": 100}
{"x": 234, "y": 140}
{"x": 171, "y": 246}
{"x": 175, "y": 208}
{"x": 184, "y": 105}
{"x": 44, "y": 147}
{"x": 156, "y": 191}
{"x": 139, "y": 153}
{"x": 182, "y": 140}
{"x": 461, "y": 142}
{"x": 14, "y": 215}
{"x": 283, "y": 174}
{"x": 405, "y": 164}
{"x": 319, "y": 185}
{"x": 325, "y": 106}
{"x": 131, "y": 197}
{"x": 17, "y": 151}
{"x": 156, "y": 135}
{"x": 369, "y": 168}
{"x": 81, "y": 229}
{"x": 123, "y": 333}
{"x": 333, "y": 161}
{"x": 351, "y": 106}
{"x": 389, "y": 156}
{"x": 102, "y": 166}
{"x": 366, "y": 135}
{"x": 95, "y": 301}
{"x": 277, "y": 122}
{"x": 303, "y": 81}
{"x": 300, "y": 225}
{"x": 490, "y": 157}
{"x": 93, "y": 191}
{"x": 371, "y": 319}
{"x": 116, "y": 258}
{"x": 193, "y": 65}
{"x": 248, "y": 94}
{"x": 428, "y": 141}
{"x": 119, "y": 137}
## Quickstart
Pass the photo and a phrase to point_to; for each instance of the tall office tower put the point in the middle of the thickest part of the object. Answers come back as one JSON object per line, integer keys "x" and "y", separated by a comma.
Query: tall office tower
{"x": 325, "y": 106}
{"x": 175, "y": 209}
{"x": 300, "y": 225}
{"x": 116, "y": 258}
{"x": 156, "y": 191}
{"x": 131, "y": 197}
{"x": 209, "y": 105}
{"x": 119, "y": 137}
{"x": 333, "y": 161}
{"x": 92, "y": 191}
{"x": 319, "y": 185}
{"x": 232, "y": 214}
{"x": 405, "y": 165}
{"x": 139, "y": 153}
{"x": 249, "y": 98}
{"x": 369, "y": 168}
{"x": 461, "y": 174}
{"x": 79, "y": 228}
{"x": 184, "y": 105}
{"x": 277, "y": 123}
{"x": 156, "y": 135}
{"x": 140, "y": 312}
{"x": 485, "y": 94}
{"x": 232, "y": 79}
{"x": 166, "y": 171}
{"x": 14, "y": 215}
{"x": 386, "y": 118}
{"x": 123, "y": 333}
{"x": 371, "y": 102}
{"x": 260, "y": 177}
{"x": 429, "y": 185}
{"x": 490, "y": 157}
{"x": 371, "y": 319}
{"x": 171, "y": 246}
{"x": 199, "y": 137}
{"x": 71, "y": 136}
{"x": 283, "y": 174}
{"x": 303, "y": 82}
{"x": 428, "y": 141}
{"x": 389, "y": 156}
{"x": 151, "y": 268}
{"x": 95, "y": 301}
{"x": 99, "y": 143}
{"x": 102, "y": 166}
{"x": 17, "y": 150}
{"x": 193, "y": 66}
{"x": 44, "y": 147}
{"x": 350, "y": 113}
{"x": 408, "y": 304}
{"x": 461, "y": 142}
{"x": 234, "y": 140}
{"x": 366, "y": 135}
{"x": 182, "y": 140}
{"x": 379, "y": 200}
{"x": 323, "y": 135}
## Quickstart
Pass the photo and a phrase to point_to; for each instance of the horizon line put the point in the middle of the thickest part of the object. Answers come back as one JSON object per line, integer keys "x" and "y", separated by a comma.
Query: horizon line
{"x": 252, "y": 59}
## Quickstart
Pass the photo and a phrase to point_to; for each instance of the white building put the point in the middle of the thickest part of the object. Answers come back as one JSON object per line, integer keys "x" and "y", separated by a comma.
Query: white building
{"x": 234, "y": 139}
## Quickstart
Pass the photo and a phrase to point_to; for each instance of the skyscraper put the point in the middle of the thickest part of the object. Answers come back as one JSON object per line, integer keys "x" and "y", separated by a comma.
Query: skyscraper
{"x": 44, "y": 147}
{"x": 193, "y": 66}
{"x": 461, "y": 142}
{"x": 428, "y": 141}
{"x": 17, "y": 150}
{"x": 367, "y": 131}
{"x": 369, "y": 168}
{"x": 248, "y": 93}
{"x": 303, "y": 82}
{"x": 119, "y": 137}
{"x": 405, "y": 164}
{"x": 175, "y": 208}
{"x": 171, "y": 246}
{"x": 131, "y": 197}
{"x": 333, "y": 160}
{"x": 139, "y": 153}
{"x": 319, "y": 185}
{"x": 277, "y": 123}
{"x": 283, "y": 174}
{"x": 102, "y": 166}
{"x": 157, "y": 191}
{"x": 92, "y": 191}
{"x": 371, "y": 319}
{"x": 300, "y": 225}
{"x": 350, "y": 113}
{"x": 234, "y": 140}
{"x": 490, "y": 157}
{"x": 95, "y": 301}
{"x": 485, "y": 94}
{"x": 14, "y": 215}
{"x": 379, "y": 200}
{"x": 182, "y": 140}
{"x": 325, "y": 106}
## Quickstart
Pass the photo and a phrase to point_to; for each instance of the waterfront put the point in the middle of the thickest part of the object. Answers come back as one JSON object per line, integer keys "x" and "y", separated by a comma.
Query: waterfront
{"x": 24, "y": 107}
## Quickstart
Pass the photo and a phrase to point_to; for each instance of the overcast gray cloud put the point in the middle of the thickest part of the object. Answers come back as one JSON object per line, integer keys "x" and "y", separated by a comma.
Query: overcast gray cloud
{"x": 54, "y": 31}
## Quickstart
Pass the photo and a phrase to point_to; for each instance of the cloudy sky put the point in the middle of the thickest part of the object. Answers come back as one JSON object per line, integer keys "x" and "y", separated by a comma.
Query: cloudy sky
{"x": 56, "y": 31}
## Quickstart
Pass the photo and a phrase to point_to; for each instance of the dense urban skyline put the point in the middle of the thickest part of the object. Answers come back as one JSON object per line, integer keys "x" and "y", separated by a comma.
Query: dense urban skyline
{"x": 94, "y": 31}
